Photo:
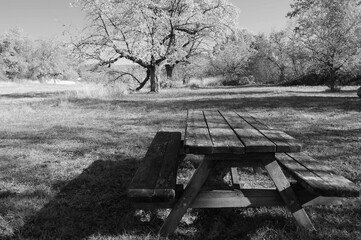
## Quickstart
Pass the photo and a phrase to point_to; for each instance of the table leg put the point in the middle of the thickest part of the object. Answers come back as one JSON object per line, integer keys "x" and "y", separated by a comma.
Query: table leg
{"x": 235, "y": 178}
{"x": 189, "y": 194}
{"x": 287, "y": 194}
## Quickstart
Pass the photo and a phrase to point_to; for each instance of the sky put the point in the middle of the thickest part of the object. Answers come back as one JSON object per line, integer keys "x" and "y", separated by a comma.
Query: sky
{"x": 46, "y": 19}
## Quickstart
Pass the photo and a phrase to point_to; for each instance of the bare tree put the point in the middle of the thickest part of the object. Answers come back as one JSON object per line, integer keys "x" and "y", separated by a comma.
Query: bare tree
{"x": 152, "y": 33}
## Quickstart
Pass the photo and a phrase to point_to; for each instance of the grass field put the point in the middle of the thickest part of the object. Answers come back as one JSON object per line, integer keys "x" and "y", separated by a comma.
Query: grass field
{"x": 66, "y": 160}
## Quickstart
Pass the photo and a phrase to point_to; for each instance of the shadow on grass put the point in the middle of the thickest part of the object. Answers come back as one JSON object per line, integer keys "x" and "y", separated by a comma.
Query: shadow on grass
{"x": 93, "y": 203}
{"x": 31, "y": 95}
{"x": 318, "y": 103}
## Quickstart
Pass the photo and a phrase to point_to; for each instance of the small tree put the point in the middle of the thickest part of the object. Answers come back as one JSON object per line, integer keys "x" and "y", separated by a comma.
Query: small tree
{"x": 15, "y": 49}
{"x": 328, "y": 30}
{"x": 152, "y": 33}
{"x": 51, "y": 59}
{"x": 275, "y": 49}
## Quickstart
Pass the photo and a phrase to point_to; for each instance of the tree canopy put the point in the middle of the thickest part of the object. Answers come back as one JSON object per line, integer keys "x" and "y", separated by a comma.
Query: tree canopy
{"x": 330, "y": 32}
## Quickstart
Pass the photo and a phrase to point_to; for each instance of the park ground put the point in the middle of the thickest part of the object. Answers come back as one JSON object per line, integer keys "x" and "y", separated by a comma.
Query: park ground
{"x": 66, "y": 160}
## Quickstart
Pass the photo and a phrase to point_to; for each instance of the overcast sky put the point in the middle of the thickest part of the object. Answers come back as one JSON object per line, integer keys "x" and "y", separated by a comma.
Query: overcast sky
{"x": 49, "y": 18}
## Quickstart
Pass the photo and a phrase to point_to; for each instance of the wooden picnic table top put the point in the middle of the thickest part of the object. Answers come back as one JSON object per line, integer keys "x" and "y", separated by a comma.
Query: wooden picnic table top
{"x": 232, "y": 132}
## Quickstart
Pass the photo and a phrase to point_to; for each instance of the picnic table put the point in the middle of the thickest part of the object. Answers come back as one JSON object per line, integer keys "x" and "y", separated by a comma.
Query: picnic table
{"x": 230, "y": 139}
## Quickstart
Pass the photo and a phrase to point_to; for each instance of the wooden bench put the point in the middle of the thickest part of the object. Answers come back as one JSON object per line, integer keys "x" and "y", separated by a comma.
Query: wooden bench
{"x": 155, "y": 179}
{"x": 315, "y": 176}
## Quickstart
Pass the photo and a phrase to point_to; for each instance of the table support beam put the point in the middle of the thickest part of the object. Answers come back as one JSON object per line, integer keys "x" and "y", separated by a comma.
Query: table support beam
{"x": 287, "y": 194}
{"x": 186, "y": 199}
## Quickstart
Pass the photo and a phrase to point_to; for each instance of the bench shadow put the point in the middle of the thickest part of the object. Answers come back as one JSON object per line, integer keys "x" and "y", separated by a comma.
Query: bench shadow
{"x": 94, "y": 203}
{"x": 238, "y": 224}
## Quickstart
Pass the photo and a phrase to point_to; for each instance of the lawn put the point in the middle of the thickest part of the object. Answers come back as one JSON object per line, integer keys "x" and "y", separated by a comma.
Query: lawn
{"x": 66, "y": 160}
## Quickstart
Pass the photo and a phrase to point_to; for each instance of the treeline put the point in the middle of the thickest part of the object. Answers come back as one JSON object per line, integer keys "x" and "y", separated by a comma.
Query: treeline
{"x": 321, "y": 45}
{"x": 23, "y": 58}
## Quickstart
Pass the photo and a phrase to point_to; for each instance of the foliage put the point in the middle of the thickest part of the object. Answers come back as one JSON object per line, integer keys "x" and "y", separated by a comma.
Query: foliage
{"x": 21, "y": 57}
{"x": 51, "y": 60}
{"x": 231, "y": 58}
{"x": 15, "y": 50}
{"x": 330, "y": 32}
{"x": 153, "y": 33}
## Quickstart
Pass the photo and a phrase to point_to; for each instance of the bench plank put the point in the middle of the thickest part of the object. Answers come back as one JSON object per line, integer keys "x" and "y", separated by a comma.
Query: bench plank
{"x": 316, "y": 177}
{"x": 155, "y": 179}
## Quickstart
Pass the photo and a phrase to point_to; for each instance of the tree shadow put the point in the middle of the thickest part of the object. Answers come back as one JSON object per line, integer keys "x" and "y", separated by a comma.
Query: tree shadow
{"x": 93, "y": 203}
{"x": 31, "y": 95}
{"x": 233, "y": 102}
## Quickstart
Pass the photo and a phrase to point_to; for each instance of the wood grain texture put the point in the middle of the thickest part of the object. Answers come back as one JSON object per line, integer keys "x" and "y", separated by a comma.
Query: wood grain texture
{"x": 197, "y": 139}
{"x": 253, "y": 121}
{"x": 155, "y": 178}
{"x": 223, "y": 137}
{"x": 209, "y": 132}
{"x": 253, "y": 140}
{"x": 316, "y": 176}
{"x": 283, "y": 141}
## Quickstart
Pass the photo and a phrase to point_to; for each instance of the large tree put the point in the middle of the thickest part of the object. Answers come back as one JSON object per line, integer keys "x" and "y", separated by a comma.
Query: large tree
{"x": 329, "y": 30}
{"x": 152, "y": 33}
{"x": 51, "y": 59}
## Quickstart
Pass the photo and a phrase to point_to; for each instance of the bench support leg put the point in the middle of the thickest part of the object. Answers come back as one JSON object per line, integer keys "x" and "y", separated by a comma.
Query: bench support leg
{"x": 287, "y": 194}
{"x": 190, "y": 193}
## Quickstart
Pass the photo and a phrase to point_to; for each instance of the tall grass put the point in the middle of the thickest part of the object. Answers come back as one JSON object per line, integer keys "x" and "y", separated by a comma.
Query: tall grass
{"x": 98, "y": 91}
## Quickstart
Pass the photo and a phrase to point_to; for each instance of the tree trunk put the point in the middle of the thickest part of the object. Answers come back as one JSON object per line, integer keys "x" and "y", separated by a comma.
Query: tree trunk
{"x": 154, "y": 83}
{"x": 169, "y": 70}
{"x": 282, "y": 74}
{"x": 141, "y": 85}
{"x": 332, "y": 80}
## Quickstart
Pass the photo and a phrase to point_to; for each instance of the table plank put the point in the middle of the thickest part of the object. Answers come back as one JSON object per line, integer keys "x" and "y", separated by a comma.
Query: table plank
{"x": 223, "y": 137}
{"x": 209, "y": 132}
{"x": 253, "y": 140}
{"x": 283, "y": 141}
{"x": 253, "y": 121}
{"x": 197, "y": 137}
